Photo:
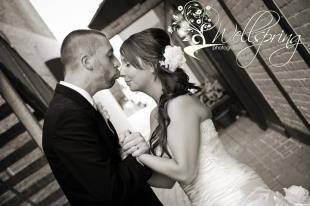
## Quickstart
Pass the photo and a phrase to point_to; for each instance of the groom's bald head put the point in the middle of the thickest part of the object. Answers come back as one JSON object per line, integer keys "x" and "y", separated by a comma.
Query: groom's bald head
{"x": 78, "y": 43}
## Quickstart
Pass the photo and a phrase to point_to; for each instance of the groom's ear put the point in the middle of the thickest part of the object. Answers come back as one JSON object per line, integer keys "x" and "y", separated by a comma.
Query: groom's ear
{"x": 86, "y": 62}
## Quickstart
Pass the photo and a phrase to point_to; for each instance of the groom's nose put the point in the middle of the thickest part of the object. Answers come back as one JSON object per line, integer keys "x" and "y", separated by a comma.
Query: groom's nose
{"x": 116, "y": 62}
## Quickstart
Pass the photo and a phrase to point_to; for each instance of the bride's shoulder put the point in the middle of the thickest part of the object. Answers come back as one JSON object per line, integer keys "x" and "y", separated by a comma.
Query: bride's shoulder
{"x": 181, "y": 101}
{"x": 189, "y": 103}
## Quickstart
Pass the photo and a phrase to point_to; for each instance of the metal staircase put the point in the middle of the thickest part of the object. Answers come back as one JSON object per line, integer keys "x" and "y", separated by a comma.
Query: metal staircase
{"x": 25, "y": 176}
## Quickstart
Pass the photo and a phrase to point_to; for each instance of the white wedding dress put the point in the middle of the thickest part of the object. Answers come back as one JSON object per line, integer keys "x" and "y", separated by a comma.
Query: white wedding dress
{"x": 224, "y": 181}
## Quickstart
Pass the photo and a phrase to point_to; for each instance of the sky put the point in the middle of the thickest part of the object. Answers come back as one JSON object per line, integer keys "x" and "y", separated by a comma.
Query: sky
{"x": 63, "y": 16}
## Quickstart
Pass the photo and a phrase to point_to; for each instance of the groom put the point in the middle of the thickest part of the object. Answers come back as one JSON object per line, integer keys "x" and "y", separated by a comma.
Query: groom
{"x": 80, "y": 145}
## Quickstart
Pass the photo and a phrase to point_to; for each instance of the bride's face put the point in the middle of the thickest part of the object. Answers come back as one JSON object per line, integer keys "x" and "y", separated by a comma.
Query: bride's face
{"x": 137, "y": 79}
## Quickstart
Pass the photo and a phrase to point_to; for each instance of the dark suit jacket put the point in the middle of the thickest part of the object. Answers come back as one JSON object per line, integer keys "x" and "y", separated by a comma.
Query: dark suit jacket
{"x": 84, "y": 156}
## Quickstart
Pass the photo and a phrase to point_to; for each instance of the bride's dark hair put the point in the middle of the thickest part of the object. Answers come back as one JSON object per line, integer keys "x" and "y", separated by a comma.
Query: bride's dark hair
{"x": 149, "y": 45}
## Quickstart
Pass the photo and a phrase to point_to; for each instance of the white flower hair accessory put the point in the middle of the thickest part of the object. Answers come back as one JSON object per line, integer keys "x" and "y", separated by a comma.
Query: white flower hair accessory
{"x": 174, "y": 58}
{"x": 297, "y": 194}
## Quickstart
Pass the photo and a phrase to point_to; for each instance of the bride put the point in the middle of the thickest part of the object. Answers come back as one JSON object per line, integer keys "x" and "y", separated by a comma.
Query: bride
{"x": 184, "y": 145}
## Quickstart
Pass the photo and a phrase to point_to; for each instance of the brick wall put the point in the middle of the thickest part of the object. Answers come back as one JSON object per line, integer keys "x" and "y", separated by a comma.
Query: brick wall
{"x": 294, "y": 77}
{"x": 297, "y": 13}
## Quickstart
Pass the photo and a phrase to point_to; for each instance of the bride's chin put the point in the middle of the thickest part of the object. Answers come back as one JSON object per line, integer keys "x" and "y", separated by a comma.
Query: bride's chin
{"x": 132, "y": 88}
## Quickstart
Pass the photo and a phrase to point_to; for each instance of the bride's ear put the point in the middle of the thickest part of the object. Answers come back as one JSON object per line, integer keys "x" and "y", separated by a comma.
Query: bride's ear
{"x": 150, "y": 68}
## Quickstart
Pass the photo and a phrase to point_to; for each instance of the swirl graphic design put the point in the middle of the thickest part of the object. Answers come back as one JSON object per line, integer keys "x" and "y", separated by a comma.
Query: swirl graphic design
{"x": 194, "y": 19}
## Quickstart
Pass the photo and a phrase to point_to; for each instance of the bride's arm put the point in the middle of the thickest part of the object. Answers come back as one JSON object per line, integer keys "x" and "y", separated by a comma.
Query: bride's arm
{"x": 161, "y": 181}
{"x": 183, "y": 134}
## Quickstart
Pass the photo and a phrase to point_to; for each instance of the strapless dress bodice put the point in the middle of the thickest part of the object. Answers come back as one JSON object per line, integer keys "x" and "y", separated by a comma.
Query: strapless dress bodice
{"x": 220, "y": 180}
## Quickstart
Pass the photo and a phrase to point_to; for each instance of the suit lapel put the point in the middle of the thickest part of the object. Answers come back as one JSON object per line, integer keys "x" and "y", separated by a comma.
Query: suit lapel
{"x": 104, "y": 128}
{"x": 109, "y": 138}
{"x": 112, "y": 127}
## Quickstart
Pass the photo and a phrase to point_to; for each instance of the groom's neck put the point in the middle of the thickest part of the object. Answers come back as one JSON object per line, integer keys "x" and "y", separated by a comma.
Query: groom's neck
{"x": 79, "y": 82}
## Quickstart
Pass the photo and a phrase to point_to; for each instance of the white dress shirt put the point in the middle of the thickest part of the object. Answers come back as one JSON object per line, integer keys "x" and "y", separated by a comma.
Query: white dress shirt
{"x": 81, "y": 91}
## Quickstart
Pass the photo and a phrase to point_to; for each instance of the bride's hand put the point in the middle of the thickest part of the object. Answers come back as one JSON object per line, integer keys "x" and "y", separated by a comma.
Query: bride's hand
{"x": 122, "y": 137}
{"x": 135, "y": 144}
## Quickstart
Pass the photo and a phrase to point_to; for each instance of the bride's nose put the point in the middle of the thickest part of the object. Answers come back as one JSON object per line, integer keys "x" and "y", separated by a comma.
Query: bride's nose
{"x": 122, "y": 71}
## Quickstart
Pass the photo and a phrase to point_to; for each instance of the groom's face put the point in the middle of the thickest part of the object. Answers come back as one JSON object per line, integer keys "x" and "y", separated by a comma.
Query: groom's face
{"x": 106, "y": 66}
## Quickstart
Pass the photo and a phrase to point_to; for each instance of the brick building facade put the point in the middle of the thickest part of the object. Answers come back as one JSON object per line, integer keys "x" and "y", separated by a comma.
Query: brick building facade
{"x": 24, "y": 174}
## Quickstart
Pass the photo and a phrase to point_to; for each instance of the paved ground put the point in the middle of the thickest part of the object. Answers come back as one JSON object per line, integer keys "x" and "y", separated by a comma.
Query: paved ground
{"x": 279, "y": 160}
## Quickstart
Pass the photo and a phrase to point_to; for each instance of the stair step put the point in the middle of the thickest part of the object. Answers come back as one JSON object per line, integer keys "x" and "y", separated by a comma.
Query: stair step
{"x": 7, "y": 196}
{"x": 5, "y": 110}
{"x": 56, "y": 198}
{"x": 16, "y": 200}
{"x": 11, "y": 133}
{"x": 16, "y": 155}
{"x": 36, "y": 185}
{"x": 7, "y": 122}
{"x": 14, "y": 144}
{"x": 60, "y": 202}
{"x": 45, "y": 192}
{"x": 30, "y": 169}
{"x": 23, "y": 162}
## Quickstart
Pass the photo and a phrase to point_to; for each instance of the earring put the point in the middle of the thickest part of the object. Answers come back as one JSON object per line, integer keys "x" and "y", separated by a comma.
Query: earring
{"x": 115, "y": 66}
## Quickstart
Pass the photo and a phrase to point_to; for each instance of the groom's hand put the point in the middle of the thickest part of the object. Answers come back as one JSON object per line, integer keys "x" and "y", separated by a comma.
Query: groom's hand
{"x": 135, "y": 144}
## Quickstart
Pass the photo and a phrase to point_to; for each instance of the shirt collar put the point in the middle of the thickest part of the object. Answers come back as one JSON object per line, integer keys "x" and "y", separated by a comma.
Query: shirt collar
{"x": 81, "y": 91}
